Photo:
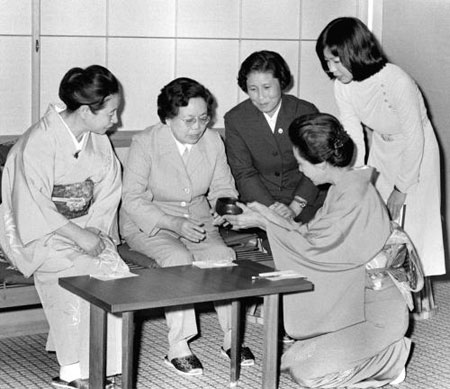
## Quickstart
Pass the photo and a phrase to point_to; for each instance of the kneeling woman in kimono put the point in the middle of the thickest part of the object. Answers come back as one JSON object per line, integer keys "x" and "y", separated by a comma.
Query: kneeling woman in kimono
{"x": 175, "y": 172}
{"x": 347, "y": 335}
{"x": 61, "y": 189}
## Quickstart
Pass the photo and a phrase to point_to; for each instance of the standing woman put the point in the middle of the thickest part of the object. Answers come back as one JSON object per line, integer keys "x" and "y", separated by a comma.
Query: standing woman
{"x": 378, "y": 96}
{"x": 61, "y": 188}
{"x": 258, "y": 147}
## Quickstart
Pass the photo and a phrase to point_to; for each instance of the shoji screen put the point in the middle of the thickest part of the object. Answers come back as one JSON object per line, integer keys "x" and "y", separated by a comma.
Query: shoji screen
{"x": 15, "y": 66}
{"x": 147, "y": 43}
{"x": 415, "y": 36}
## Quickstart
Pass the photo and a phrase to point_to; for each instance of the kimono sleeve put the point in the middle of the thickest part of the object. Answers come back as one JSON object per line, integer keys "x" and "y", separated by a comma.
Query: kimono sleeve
{"x": 107, "y": 193}
{"x": 317, "y": 248}
{"x": 32, "y": 169}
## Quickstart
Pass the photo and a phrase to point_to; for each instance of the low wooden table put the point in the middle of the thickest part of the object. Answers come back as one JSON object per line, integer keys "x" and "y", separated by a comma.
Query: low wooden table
{"x": 165, "y": 287}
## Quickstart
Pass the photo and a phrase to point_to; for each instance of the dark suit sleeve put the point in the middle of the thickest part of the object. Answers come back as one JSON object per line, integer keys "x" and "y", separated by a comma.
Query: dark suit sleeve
{"x": 305, "y": 188}
{"x": 248, "y": 182}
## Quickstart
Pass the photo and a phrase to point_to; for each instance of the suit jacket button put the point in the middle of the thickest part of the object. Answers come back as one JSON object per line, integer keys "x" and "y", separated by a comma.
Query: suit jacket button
{"x": 183, "y": 203}
{"x": 280, "y": 131}
{"x": 277, "y": 174}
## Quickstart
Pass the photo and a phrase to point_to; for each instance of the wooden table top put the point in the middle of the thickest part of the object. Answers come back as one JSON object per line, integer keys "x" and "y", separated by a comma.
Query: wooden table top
{"x": 178, "y": 285}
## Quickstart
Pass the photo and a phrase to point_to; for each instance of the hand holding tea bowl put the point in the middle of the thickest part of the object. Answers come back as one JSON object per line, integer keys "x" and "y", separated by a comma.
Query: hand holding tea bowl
{"x": 227, "y": 206}
{"x": 251, "y": 215}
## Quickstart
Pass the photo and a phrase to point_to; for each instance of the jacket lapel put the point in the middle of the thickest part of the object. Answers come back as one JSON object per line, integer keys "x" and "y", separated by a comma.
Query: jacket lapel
{"x": 257, "y": 120}
{"x": 169, "y": 152}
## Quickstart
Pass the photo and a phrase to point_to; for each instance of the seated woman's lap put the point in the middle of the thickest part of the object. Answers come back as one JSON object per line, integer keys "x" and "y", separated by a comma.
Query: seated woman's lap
{"x": 168, "y": 249}
{"x": 386, "y": 323}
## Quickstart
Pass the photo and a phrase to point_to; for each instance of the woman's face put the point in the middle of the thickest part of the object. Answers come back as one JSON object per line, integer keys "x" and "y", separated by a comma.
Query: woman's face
{"x": 315, "y": 172}
{"x": 264, "y": 91}
{"x": 191, "y": 122}
{"x": 339, "y": 71}
{"x": 105, "y": 118}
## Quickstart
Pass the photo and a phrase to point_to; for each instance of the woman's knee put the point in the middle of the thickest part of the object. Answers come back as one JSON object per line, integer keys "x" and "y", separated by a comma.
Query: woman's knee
{"x": 175, "y": 258}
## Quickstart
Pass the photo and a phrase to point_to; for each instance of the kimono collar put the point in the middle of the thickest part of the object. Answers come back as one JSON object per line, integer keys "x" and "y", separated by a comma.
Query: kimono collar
{"x": 361, "y": 174}
{"x": 78, "y": 144}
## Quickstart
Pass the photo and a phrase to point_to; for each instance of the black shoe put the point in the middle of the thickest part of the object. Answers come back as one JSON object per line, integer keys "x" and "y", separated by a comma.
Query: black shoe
{"x": 189, "y": 365}
{"x": 247, "y": 357}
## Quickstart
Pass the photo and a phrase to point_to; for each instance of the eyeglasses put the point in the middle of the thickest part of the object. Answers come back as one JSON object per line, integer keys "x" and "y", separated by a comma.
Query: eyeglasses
{"x": 202, "y": 120}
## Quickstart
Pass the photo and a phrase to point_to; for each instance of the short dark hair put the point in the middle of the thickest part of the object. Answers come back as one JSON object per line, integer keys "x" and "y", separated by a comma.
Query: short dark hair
{"x": 265, "y": 62}
{"x": 90, "y": 86}
{"x": 320, "y": 137}
{"x": 177, "y": 94}
{"x": 357, "y": 48}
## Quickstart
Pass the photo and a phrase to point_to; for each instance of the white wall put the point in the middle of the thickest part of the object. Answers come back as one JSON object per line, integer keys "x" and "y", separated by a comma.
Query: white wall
{"x": 147, "y": 43}
{"x": 416, "y": 36}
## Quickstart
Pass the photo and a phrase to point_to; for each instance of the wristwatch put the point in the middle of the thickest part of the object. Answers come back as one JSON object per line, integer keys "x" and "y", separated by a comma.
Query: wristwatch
{"x": 301, "y": 202}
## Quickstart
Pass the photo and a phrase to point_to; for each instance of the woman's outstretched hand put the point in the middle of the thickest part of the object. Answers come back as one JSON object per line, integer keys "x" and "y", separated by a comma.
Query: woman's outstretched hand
{"x": 218, "y": 220}
{"x": 251, "y": 217}
{"x": 283, "y": 210}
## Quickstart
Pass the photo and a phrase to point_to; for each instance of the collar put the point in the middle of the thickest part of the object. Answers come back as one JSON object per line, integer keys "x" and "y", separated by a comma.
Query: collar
{"x": 272, "y": 121}
{"x": 181, "y": 146}
{"x": 78, "y": 144}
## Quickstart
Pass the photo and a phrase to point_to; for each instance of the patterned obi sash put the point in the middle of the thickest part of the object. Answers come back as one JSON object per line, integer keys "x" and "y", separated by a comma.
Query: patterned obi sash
{"x": 73, "y": 200}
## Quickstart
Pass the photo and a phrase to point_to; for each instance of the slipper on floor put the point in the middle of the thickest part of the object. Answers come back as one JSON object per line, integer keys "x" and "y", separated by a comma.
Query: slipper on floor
{"x": 189, "y": 365}
{"x": 78, "y": 383}
{"x": 247, "y": 357}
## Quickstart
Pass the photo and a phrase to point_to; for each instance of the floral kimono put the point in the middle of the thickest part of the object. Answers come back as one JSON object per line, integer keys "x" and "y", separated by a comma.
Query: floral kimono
{"x": 46, "y": 184}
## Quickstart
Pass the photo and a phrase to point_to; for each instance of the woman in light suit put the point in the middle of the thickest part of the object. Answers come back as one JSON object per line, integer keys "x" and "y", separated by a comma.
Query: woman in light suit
{"x": 174, "y": 174}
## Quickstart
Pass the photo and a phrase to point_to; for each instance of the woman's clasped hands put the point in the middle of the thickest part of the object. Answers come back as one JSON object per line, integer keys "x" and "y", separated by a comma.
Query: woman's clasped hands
{"x": 188, "y": 228}
{"x": 91, "y": 241}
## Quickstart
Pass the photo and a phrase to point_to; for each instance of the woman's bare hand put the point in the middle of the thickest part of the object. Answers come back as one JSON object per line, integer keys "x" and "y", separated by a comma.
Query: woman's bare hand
{"x": 282, "y": 210}
{"x": 90, "y": 242}
{"x": 248, "y": 219}
{"x": 188, "y": 228}
{"x": 88, "y": 239}
{"x": 218, "y": 220}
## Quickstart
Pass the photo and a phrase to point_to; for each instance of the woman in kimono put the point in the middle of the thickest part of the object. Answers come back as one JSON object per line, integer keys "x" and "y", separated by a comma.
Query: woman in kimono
{"x": 175, "y": 172}
{"x": 348, "y": 334}
{"x": 61, "y": 188}
{"x": 379, "y": 97}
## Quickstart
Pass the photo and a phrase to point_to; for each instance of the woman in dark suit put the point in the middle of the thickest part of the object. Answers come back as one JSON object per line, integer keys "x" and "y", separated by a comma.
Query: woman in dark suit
{"x": 257, "y": 143}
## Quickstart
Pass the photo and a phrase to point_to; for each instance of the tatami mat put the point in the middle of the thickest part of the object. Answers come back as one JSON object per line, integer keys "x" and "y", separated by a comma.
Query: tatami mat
{"x": 25, "y": 364}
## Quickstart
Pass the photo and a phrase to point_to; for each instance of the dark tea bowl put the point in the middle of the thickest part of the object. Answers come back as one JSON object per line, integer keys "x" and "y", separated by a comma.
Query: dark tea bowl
{"x": 227, "y": 206}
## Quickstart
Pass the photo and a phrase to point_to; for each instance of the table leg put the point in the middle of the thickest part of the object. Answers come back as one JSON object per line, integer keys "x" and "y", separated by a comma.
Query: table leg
{"x": 235, "y": 369}
{"x": 127, "y": 349}
{"x": 97, "y": 348}
{"x": 270, "y": 339}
